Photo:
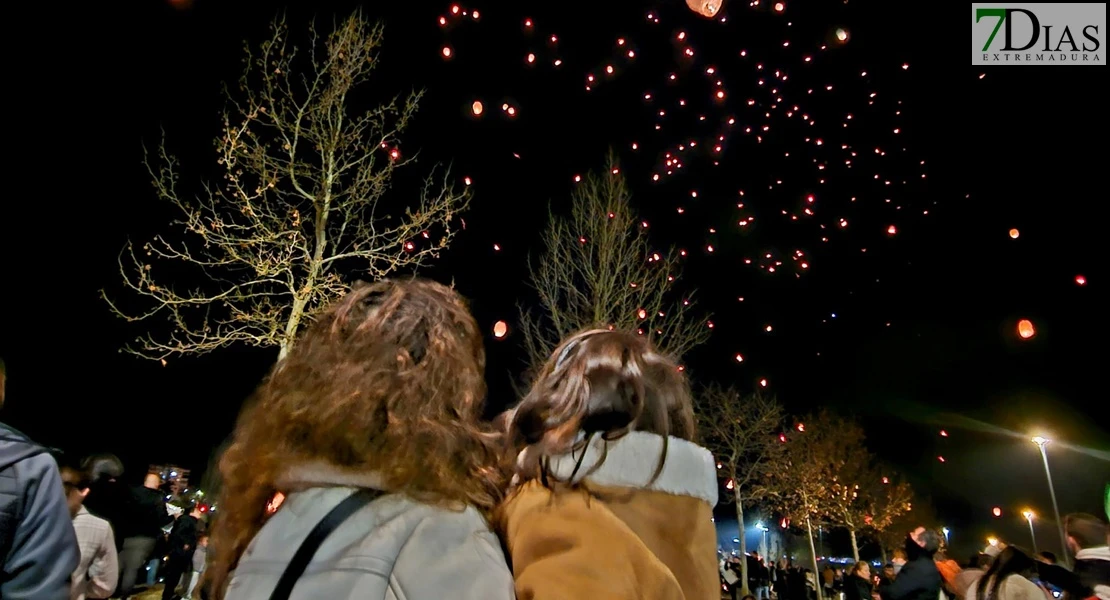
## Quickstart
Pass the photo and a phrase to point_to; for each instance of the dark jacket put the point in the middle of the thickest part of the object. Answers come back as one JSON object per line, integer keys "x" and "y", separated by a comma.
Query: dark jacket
{"x": 918, "y": 579}
{"x": 856, "y": 588}
{"x": 148, "y": 513}
{"x": 183, "y": 537}
{"x": 110, "y": 500}
{"x": 38, "y": 548}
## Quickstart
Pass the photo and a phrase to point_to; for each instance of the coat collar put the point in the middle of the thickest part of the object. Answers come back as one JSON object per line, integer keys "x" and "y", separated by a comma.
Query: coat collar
{"x": 631, "y": 460}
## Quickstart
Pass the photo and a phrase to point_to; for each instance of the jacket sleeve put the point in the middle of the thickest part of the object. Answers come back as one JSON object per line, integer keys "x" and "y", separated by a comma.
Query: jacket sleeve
{"x": 104, "y": 570}
{"x": 44, "y": 550}
{"x": 911, "y": 579}
{"x": 452, "y": 554}
{"x": 565, "y": 546}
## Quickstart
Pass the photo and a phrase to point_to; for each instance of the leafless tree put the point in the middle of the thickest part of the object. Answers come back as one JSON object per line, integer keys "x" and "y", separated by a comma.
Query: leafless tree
{"x": 304, "y": 199}
{"x": 851, "y": 472}
{"x": 890, "y": 501}
{"x": 598, "y": 269}
{"x": 742, "y": 431}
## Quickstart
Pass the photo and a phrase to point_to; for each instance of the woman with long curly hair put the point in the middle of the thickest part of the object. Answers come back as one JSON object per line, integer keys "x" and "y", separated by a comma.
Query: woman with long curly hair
{"x": 374, "y": 414}
{"x": 613, "y": 498}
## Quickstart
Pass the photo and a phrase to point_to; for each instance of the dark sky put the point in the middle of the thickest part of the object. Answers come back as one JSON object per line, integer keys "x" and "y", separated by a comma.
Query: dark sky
{"x": 924, "y": 333}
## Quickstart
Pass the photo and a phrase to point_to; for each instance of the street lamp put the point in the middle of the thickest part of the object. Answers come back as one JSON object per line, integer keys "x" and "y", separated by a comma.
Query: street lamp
{"x": 1028, "y": 514}
{"x": 760, "y": 526}
{"x": 945, "y": 530}
{"x": 992, "y": 541}
{"x": 1041, "y": 442}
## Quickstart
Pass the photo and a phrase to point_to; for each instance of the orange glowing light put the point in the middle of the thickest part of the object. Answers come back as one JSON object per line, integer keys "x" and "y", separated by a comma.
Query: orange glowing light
{"x": 477, "y": 108}
{"x": 705, "y": 8}
{"x": 446, "y": 52}
{"x": 892, "y": 230}
{"x": 996, "y": 511}
{"x": 500, "y": 329}
{"x": 802, "y": 427}
{"x": 943, "y": 433}
{"x": 779, "y": 7}
{"x": 1025, "y": 329}
{"x": 740, "y": 358}
{"x": 1014, "y": 233}
{"x": 1080, "y": 280}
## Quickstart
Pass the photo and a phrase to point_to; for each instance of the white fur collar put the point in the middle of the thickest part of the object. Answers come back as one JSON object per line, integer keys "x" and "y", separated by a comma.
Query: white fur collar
{"x": 631, "y": 460}
{"x": 321, "y": 474}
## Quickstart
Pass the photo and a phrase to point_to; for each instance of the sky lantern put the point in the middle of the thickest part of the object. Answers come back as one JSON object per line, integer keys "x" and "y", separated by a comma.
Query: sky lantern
{"x": 779, "y": 7}
{"x": 943, "y": 433}
{"x": 996, "y": 511}
{"x": 705, "y": 8}
{"x": 477, "y": 107}
{"x": 1080, "y": 280}
{"x": 1025, "y": 329}
{"x": 842, "y": 35}
{"x": 1014, "y": 233}
{"x": 500, "y": 329}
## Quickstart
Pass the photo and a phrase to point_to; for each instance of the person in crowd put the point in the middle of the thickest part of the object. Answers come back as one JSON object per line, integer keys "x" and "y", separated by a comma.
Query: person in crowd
{"x": 38, "y": 547}
{"x": 108, "y": 498}
{"x": 1045, "y": 557}
{"x": 97, "y": 573}
{"x": 182, "y": 543}
{"x": 886, "y": 576}
{"x": 374, "y": 417}
{"x": 612, "y": 496}
{"x": 762, "y": 579}
{"x": 858, "y": 586}
{"x": 978, "y": 565}
{"x": 200, "y": 560}
{"x": 828, "y": 579}
{"x": 898, "y": 559}
{"x": 145, "y": 517}
{"x": 1008, "y": 578}
{"x": 918, "y": 578}
{"x": 1087, "y": 541}
{"x": 948, "y": 568}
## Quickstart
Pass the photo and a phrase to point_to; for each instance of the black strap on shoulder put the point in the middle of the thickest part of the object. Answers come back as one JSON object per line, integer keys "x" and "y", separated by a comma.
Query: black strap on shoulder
{"x": 311, "y": 544}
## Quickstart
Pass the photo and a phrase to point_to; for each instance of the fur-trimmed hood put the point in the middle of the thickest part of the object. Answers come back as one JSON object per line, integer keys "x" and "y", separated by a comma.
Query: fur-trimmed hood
{"x": 631, "y": 460}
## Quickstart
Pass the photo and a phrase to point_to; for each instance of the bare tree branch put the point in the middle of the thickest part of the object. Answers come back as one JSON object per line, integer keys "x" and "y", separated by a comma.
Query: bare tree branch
{"x": 598, "y": 269}
{"x": 304, "y": 199}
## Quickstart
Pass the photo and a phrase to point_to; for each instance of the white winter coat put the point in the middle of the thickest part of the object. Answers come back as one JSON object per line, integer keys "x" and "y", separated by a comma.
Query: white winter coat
{"x": 395, "y": 548}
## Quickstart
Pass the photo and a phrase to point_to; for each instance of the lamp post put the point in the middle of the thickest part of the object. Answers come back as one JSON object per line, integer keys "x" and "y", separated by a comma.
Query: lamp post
{"x": 1041, "y": 442}
{"x": 1028, "y": 514}
{"x": 760, "y": 526}
{"x": 946, "y": 531}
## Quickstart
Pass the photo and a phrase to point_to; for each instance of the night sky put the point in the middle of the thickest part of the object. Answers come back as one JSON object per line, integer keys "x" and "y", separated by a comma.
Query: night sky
{"x": 924, "y": 336}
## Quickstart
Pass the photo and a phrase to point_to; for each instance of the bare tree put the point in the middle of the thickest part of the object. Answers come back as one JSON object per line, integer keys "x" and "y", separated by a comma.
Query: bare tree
{"x": 889, "y": 502}
{"x": 920, "y": 512}
{"x": 802, "y": 490}
{"x": 851, "y": 472}
{"x": 304, "y": 199}
{"x": 598, "y": 269}
{"x": 742, "y": 432}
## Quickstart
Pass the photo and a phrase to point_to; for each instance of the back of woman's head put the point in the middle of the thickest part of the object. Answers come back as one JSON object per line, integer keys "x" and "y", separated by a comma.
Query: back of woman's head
{"x": 599, "y": 382}
{"x": 388, "y": 381}
{"x": 1011, "y": 561}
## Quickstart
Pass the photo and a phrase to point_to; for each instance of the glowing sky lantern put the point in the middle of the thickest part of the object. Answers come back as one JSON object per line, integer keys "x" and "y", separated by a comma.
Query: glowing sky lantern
{"x": 779, "y": 7}
{"x": 1014, "y": 233}
{"x": 705, "y": 8}
{"x": 842, "y": 35}
{"x": 1025, "y": 329}
{"x": 1080, "y": 280}
{"x": 477, "y": 107}
{"x": 996, "y": 511}
{"x": 500, "y": 329}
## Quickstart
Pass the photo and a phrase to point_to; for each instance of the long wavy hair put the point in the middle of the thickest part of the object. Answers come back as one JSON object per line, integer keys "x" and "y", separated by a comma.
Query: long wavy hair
{"x": 598, "y": 382}
{"x": 388, "y": 381}
{"x": 1011, "y": 561}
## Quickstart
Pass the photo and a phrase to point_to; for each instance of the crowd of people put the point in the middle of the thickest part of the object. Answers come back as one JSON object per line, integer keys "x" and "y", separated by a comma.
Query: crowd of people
{"x": 923, "y": 571}
{"x": 362, "y": 468}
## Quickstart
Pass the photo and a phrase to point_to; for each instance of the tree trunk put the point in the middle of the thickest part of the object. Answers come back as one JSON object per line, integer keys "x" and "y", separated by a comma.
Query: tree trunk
{"x": 743, "y": 541}
{"x": 296, "y": 313}
{"x": 855, "y": 545}
{"x": 817, "y": 582}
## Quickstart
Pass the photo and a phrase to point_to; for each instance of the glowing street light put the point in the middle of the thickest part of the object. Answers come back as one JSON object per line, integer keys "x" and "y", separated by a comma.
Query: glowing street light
{"x": 945, "y": 531}
{"x": 992, "y": 541}
{"x": 1041, "y": 442}
{"x": 1028, "y": 514}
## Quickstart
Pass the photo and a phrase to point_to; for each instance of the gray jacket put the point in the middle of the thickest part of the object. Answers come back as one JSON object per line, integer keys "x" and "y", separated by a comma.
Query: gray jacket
{"x": 38, "y": 547}
{"x": 395, "y": 548}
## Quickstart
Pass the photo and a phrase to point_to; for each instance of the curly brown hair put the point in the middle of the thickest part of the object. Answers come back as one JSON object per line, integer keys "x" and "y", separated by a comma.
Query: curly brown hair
{"x": 598, "y": 381}
{"x": 389, "y": 380}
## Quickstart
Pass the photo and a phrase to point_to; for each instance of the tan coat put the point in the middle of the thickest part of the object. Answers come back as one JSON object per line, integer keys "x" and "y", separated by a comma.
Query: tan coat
{"x": 616, "y": 536}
